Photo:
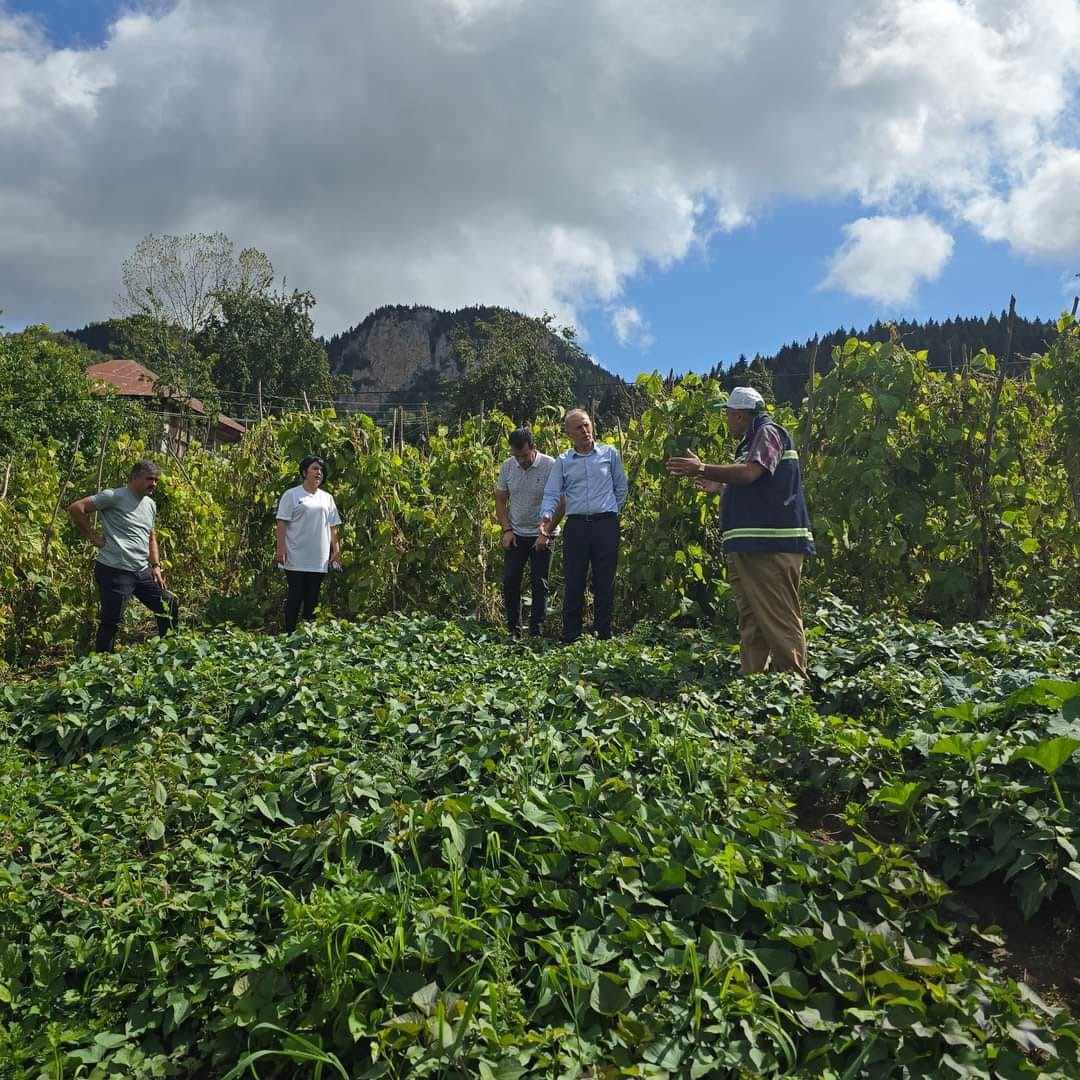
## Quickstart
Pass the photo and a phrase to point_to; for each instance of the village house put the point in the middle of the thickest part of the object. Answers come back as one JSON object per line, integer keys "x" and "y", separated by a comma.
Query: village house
{"x": 182, "y": 420}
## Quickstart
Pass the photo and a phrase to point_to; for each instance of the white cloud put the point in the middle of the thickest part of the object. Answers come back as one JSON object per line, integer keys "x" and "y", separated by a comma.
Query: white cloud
{"x": 536, "y": 155}
{"x": 885, "y": 258}
{"x": 630, "y": 327}
{"x": 1040, "y": 216}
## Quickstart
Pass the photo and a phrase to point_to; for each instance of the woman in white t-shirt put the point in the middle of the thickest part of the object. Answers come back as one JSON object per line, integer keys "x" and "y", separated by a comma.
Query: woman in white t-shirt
{"x": 307, "y": 540}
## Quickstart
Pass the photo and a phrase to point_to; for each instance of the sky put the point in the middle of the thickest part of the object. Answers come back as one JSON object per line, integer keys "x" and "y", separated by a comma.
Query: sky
{"x": 684, "y": 181}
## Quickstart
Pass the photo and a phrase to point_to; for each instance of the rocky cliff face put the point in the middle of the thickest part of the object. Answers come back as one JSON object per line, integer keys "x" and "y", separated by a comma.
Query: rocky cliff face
{"x": 397, "y": 349}
{"x": 408, "y": 354}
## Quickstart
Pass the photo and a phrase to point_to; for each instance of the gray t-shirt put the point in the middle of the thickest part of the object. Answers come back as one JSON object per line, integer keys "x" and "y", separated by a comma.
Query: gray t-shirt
{"x": 526, "y": 490}
{"x": 127, "y": 520}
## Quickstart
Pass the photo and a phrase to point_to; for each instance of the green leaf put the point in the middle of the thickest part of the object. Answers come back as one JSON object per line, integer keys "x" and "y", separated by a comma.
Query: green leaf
{"x": 608, "y": 995}
{"x": 155, "y": 830}
{"x": 1049, "y": 755}
{"x": 962, "y": 745}
{"x": 457, "y": 834}
{"x": 110, "y": 1040}
{"x": 180, "y": 1003}
{"x": 426, "y": 998}
{"x": 1033, "y": 1040}
{"x": 540, "y": 819}
{"x": 902, "y": 796}
{"x": 263, "y": 806}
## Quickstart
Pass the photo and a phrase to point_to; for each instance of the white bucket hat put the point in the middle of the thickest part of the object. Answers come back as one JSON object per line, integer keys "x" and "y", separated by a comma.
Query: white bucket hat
{"x": 745, "y": 397}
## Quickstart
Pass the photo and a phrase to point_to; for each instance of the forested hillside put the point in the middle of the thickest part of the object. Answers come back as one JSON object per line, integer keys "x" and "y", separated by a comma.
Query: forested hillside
{"x": 949, "y": 344}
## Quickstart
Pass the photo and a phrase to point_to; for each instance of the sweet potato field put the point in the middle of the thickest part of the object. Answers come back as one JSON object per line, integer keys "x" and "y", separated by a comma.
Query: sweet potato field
{"x": 403, "y": 847}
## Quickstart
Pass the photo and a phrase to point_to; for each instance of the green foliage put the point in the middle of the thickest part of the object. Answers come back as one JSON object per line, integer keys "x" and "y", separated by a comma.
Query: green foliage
{"x": 44, "y": 394}
{"x": 266, "y": 342}
{"x": 755, "y": 373}
{"x": 894, "y": 482}
{"x": 407, "y": 848}
{"x": 970, "y": 733}
{"x": 949, "y": 345}
{"x": 668, "y": 518}
{"x": 171, "y": 353}
{"x": 173, "y": 288}
{"x": 177, "y": 279}
{"x": 892, "y": 462}
{"x": 1057, "y": 375}
{"x": 511, "y": 369}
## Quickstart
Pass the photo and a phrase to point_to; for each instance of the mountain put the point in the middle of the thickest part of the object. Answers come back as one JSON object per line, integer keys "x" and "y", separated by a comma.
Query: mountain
{"x": 405, "y": 353}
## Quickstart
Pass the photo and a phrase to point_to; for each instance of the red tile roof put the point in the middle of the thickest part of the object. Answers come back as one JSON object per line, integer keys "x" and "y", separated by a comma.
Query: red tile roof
{"x": 131, "y": 379}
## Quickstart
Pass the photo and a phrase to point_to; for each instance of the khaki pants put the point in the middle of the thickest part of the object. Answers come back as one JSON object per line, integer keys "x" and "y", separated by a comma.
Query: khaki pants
{"x": 766, "y": 585}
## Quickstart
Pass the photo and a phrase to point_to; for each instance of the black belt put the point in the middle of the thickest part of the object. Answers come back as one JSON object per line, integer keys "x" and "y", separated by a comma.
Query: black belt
{"x": 591, "y": 517}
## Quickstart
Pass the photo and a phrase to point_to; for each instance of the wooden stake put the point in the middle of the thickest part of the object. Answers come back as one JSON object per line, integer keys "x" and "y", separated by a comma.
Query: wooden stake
{"x": 808, "y": 427}
{"x": 56, "y": 509}
{"x": 984, "y": 586}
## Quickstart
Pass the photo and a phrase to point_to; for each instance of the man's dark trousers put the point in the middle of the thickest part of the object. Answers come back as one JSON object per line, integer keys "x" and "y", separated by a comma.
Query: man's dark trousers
{"x": 115, "y": 587}
{"x": 514, "y": 559}
{"x": 589, "y": 539}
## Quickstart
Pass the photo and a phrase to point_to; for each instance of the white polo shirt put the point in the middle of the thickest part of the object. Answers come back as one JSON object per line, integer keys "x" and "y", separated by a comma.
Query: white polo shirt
{"x": 309, "y": 515}
{"x": 526, "y": 490}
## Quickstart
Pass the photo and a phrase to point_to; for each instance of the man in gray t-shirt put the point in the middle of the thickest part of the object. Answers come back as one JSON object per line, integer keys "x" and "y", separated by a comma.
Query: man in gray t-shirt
{"x": 127, "y": 563}
{"x": 517, "y": 505}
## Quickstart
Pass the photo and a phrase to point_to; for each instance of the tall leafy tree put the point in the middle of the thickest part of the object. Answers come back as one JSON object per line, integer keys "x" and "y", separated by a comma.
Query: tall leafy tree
{"x": 44, "y": 394}
{"x": 510, "y": 365}
{"x": 264, "y": 343}
{"x": 172, "y": 289}
{"x": 180, "y": 278}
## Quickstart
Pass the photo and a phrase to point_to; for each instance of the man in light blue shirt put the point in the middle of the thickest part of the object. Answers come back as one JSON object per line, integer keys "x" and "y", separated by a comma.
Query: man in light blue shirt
{"x": 590, "y": 476}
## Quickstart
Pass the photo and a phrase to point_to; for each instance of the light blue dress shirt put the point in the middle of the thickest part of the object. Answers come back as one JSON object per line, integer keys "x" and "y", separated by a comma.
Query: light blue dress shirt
{"x": 593, "y": 483}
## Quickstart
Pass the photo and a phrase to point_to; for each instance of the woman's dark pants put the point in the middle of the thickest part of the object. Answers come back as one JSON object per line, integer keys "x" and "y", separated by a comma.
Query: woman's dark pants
{"x": 302, "y": 597}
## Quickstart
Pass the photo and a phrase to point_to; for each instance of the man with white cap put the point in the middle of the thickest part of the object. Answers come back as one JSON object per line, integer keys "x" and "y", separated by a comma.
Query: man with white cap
{"x": 765, "y": 530}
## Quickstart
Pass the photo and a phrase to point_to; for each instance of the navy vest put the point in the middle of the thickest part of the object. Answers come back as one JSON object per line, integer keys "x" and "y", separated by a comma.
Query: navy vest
{"x": 769, "y": 514}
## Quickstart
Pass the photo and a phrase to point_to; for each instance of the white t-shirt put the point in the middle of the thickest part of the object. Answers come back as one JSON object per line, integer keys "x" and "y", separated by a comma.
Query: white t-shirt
{"x": 310, "y": 516}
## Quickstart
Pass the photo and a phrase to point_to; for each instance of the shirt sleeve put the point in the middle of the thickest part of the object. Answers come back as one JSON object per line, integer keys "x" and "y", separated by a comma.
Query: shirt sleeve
{"x": 285, "y": 506}
{"x": 103, "y": 500}
{"x": 333, "y": 518}
{"x": 504, "y": 481}
{"x": 767, "y": 449}
{"x": 553, "y": 489}
{"x": 618, "y": 478}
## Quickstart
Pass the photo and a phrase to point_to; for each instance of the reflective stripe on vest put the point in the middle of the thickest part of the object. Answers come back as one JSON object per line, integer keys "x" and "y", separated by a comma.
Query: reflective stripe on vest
{"x": 767, "y": 534}
{"x": 787, "y": 455}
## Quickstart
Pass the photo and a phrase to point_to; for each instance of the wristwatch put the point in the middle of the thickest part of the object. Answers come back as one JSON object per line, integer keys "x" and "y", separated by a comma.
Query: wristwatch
{"x": 701, "y": 466}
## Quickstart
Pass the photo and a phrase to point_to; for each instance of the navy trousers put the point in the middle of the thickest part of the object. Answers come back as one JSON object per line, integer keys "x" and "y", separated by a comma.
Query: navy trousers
{"x": 514, "y": 560}
{"x": 115, "y": 587}
{"x": 589, "y": 541}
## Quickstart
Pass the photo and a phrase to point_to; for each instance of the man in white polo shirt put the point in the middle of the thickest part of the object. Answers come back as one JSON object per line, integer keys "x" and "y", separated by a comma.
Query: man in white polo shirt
{"x": 520, "y": 490}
